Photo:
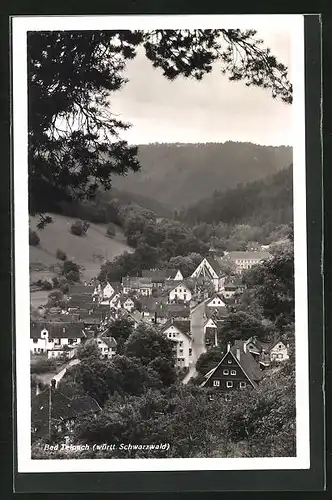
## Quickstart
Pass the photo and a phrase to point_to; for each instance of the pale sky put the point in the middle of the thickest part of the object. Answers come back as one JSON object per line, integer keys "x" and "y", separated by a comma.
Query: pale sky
{"x": 212, "y": 110}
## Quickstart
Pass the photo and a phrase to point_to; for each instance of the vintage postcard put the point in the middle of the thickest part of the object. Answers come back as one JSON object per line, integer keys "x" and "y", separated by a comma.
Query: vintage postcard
{"x": 160, "y": 243}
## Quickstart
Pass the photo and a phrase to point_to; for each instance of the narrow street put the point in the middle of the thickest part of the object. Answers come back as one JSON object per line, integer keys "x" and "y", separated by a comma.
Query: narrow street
{"x": 198, "y": 345}
{"x": 47, "y": 377}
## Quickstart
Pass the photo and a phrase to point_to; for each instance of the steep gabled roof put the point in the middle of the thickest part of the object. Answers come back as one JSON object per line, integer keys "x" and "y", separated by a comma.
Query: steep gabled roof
{"x": 57, "y": 330}
{"x": 246, "y": 362}
{"x": 215, "y": 312}
{"x": 182, "y": 325}
{"x": 216, "y": 296}
{"x": 171, "y": 273}
{"x": 176, "y": 284}
{"x": 216, "y": 264}
{"x": 109, "y": 341}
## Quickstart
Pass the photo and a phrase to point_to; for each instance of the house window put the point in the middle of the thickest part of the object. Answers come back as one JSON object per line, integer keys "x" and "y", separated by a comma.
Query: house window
{"x": 229, "y": 361}
{"x": 229, "y": 384}
{"x": 216, "y": 383}
{"x": 225, "y": 372}
{"x": 242, "y": 385}
{"x": 190, "y": 351}
{"x": 233, "y": 372}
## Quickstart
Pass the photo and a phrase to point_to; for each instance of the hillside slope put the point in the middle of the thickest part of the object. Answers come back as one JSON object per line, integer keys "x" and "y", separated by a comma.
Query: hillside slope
{"x": 88, "y": 251}
{"x": 256, "y": 203}
{"x": 181, "y": 174}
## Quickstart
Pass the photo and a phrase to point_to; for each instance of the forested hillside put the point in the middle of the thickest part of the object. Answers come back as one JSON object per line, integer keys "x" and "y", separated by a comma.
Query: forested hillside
{"x": 255, "y": 203}
{"x": 181, "y": 174}
{"x": 150, "y": 202}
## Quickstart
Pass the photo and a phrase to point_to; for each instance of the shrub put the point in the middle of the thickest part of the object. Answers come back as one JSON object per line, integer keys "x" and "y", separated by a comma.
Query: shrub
{"x": 111, "y": 231}
{"x": 79, "y": 228}
{"x": 64, "y": 288}
{"x": 71, "y": 271}
{"x": 55, "y": 282}
{"x": 43, "y": 366}
{"x": 60, "y": 254}
{"x": 34, "y": 239}
{"x": 44, "y": 284}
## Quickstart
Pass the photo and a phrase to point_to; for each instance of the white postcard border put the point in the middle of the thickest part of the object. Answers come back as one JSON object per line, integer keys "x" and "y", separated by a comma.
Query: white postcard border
{"x": 20, "y": 26}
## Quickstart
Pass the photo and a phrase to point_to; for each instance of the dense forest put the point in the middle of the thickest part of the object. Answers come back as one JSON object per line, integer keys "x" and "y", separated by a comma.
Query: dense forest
{"x": 254, "y": 203}
{"x": 182, "y": 174}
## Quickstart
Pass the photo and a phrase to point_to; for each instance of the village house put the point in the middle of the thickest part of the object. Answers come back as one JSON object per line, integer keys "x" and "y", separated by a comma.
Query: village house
{"x": 137, "y": 285}
{"x": 178, "y": 331}
{"x": 107, "y": 346}
{"x": 176, "y": 311}
{"x": 211, "y": 328}
{"x": 216, "y": 301}
{"x": 127, "y": 303}
{"x": 180, "y": 293}
{"x": 51, "y": 338}
{"x": 160, "y": 276}
{"x": 212, "y": 269}
{"x": 245, "y": 260}
{"x": 232, "y": 289}
{"x": 267, "y": 352}
{"x": 51, "y": 409}
{"x": 237, "y": 369}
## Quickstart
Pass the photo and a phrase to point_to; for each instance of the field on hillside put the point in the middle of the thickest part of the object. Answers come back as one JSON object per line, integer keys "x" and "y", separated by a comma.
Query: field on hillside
{"x": 89, "y": 251}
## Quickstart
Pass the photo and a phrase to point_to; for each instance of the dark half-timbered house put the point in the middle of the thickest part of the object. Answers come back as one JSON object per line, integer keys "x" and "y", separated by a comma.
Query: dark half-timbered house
{"x": 236, "y": 370}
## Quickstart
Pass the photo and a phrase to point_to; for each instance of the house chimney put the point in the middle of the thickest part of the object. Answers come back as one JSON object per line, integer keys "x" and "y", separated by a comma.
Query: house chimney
{"x": 228, "y": 346}
{"x": 53, "y": 383}
{"x": 238, "y": 353}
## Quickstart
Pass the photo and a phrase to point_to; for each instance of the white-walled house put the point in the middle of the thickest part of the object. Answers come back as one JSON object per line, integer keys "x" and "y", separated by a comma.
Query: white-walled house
{"x": 107, "y": 347}
{"x": 246, "y": 260}
{"x": 138, "y": 285}
{"x": 278, "y": 351}
{"x": 177, "y": 277}
{"x": 179, "y": 333}
{"x": 266, "y": 353}
{"x": 180, "y": 292}
{"x": 107, "y": 291}
{"x": 127, "y": 303}
{"x": 55, "y": 337}
{"x": 216, "y": 301}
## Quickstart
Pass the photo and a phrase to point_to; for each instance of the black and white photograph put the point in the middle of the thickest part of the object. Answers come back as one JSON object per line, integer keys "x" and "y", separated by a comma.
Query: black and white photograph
{"x": 160, "y": 243}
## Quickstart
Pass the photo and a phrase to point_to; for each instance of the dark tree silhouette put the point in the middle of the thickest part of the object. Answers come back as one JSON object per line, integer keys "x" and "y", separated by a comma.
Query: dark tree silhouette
{"x": 74, "y": 139}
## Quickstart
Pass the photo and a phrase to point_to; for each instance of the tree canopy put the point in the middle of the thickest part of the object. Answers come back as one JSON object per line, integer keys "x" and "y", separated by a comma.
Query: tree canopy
{"x": 75, "y": 141}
